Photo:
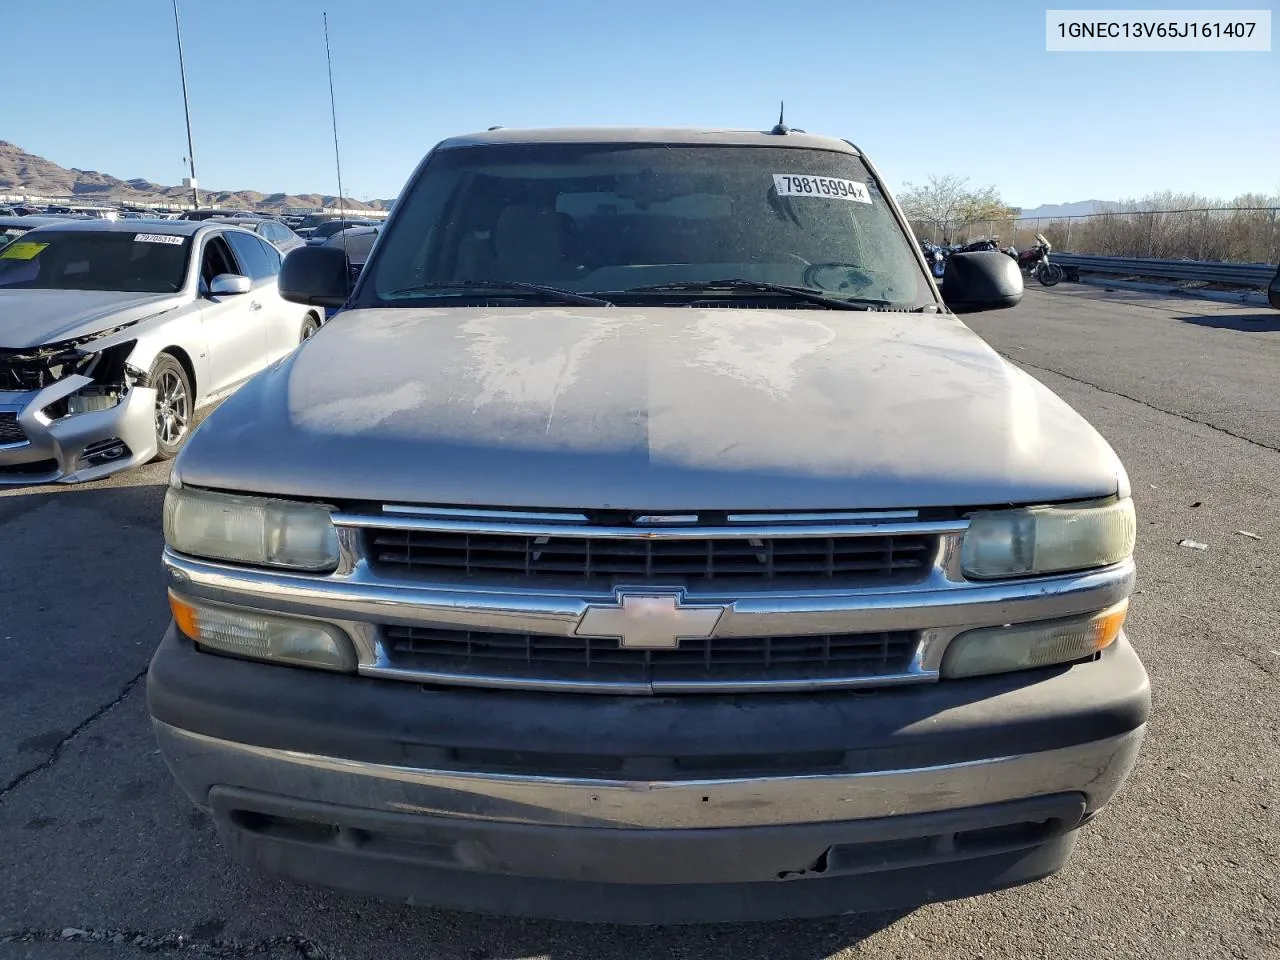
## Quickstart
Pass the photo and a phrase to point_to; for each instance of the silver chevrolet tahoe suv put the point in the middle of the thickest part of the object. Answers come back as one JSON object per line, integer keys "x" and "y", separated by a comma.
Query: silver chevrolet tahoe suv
{"x": 647, "y": 540}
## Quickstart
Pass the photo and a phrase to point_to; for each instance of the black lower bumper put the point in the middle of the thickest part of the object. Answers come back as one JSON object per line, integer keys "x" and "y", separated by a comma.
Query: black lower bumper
{"x": 630, "y": 809}
{"x": 677, "y": 876}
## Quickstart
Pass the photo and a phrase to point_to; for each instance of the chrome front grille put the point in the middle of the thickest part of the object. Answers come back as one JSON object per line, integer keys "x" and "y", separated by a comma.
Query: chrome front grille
{"x": 611, "y": 602}
{"x": 847, "y": 560}
{"x": 537, "y": 659}
{"x": 10, "y": 430}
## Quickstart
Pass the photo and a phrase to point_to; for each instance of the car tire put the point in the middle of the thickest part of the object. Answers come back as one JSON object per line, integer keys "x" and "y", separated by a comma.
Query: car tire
{"x": 309, "y": 328}
{"x": 175, "y": 405}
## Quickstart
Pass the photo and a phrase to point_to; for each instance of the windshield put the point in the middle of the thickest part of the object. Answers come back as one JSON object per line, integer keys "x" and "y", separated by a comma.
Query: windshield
{"x": 56, "y": 260}
{"x": 611, "y": 218}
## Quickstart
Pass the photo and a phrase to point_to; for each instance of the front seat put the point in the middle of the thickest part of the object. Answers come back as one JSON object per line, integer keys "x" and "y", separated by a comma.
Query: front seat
{"x": 528, "y": 246}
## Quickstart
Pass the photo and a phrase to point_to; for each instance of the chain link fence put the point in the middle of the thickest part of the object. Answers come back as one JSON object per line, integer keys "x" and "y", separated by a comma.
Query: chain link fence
{"x": 1233, "y": 234}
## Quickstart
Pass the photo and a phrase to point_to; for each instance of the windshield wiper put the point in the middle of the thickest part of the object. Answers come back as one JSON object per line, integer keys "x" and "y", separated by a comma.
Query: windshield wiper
{"x": 491, "y": 286}
{"x": 800, "y": 293}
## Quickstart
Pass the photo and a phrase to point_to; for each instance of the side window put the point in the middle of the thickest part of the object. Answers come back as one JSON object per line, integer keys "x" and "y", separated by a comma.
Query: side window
{"x": 272, "y": 255}
{"x": 216, "y": 259}
{"x": 251, "y": 254}
{"x": 269, "y": 232}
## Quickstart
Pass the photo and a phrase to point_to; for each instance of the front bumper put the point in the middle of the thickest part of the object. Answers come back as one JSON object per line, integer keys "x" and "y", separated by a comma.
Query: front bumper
{"x": 649, "y": 810}
{"x": 61, "y": 451}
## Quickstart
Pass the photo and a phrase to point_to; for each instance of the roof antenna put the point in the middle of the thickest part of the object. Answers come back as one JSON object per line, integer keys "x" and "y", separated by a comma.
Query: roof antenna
{"x": 781, "y": 129}
{"x": 333, "y": 111}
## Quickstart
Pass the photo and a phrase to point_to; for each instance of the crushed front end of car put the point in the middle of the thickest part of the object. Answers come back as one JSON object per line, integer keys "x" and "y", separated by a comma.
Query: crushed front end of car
{"x": 73, "y": 410}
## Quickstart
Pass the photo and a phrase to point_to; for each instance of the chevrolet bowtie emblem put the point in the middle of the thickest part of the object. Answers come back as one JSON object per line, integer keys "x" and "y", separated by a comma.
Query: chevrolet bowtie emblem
{"x": 648, "y": 621}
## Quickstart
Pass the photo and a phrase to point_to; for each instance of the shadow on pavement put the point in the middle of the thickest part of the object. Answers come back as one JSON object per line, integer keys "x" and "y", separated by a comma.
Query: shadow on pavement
{"x": 791, "y": 939}
{"x": 1246, "y": 323}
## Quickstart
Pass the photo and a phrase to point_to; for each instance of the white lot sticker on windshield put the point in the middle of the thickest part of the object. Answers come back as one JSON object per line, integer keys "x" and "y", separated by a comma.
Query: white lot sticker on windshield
{"x": 156, "y": 238}
{"x": 833, "y": 188}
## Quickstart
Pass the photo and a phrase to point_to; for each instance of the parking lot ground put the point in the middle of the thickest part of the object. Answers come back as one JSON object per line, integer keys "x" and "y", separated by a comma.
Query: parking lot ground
{"x": 101, "y": 858}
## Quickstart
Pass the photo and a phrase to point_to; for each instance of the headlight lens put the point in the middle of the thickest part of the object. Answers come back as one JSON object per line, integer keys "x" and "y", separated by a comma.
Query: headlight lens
{"x": 254, "y": 530}
{"x": 93, "y": 399}
{"x": 263, "y": 636}
{"x": 1025, "y": 646}
{"x": 1017, "y": 543}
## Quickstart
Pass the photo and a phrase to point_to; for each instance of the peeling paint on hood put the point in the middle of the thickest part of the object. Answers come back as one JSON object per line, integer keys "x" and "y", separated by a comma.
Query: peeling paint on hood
{"x": 662, "y": 408}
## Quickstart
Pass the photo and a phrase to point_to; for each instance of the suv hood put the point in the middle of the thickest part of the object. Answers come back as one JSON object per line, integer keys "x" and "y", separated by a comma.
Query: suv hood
{"x": 650, "y": 409}
{"x": 31, "y": 318}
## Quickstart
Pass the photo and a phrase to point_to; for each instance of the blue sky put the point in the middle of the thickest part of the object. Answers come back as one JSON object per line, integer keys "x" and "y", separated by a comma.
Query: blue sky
{"x": 961, "y": 88}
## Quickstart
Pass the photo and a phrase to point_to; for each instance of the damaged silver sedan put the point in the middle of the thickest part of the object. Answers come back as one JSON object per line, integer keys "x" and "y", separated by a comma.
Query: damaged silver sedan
{"x": 113, "y": 336}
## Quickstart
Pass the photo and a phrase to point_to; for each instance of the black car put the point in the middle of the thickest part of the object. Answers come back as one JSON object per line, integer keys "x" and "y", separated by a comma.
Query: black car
{"x": 1273, "y": 291}
{"x": 331, "y": 228}
{"x": 355, "y": 242}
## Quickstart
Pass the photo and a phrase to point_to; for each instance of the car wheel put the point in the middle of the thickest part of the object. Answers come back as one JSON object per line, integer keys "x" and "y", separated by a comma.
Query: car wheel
{"x": 175, "y": 405}
{"x": 1050, "y": 274}
{"x": 309, "y": 328}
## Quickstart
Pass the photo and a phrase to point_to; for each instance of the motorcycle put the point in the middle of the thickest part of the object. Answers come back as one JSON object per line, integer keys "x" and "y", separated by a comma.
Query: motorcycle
{"x": 935, "y": 258}
{"x": 1035, "y": 263}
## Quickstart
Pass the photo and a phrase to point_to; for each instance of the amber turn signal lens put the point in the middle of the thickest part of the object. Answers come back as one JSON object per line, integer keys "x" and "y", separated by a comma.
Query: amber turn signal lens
{"x": 185, "y": 616}
{"x": 1025, "y": 646}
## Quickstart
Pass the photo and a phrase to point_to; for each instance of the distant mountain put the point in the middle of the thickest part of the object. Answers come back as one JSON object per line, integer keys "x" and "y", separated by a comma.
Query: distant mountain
{"x": 30, "y": 175}
{"x": 1076, "y": 209}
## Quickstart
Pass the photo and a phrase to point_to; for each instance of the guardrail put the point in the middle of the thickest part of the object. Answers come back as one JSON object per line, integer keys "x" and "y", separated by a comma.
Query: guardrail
{"x": 1255, "y": 275}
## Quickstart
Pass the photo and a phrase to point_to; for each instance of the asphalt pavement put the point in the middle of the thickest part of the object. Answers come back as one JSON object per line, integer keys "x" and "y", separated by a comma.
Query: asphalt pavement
{"x": 101, "y": 858}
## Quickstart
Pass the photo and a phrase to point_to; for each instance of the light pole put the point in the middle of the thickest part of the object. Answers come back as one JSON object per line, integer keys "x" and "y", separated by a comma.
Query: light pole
{"x": 186, "y": 106}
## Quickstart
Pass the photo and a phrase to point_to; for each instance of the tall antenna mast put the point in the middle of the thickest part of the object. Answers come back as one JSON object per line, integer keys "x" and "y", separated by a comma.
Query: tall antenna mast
{"x": 337, "y": 160}
{"x": 186, "y": 106}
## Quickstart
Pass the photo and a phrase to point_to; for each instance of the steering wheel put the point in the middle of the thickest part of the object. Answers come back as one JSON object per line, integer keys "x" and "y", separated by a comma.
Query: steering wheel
{"x": 854, "y": 273}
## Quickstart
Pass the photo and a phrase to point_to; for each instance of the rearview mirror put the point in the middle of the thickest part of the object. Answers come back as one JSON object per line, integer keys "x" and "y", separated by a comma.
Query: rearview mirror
{"x": 1273, "y": 291}
{"x": 229, "y": 284}
{"x": 985, "y": 280}
{"x": 315, "y": 276}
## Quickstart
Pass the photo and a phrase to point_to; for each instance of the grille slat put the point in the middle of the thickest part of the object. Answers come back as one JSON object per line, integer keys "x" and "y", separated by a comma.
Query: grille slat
{"x": 10, "y": 430}
{"x": 850, "y": 560}
{"x": 726, "y": 660}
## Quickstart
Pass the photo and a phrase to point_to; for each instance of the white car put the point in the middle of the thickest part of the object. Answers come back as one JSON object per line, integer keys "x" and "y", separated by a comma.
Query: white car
{"x": 113, "y": 335}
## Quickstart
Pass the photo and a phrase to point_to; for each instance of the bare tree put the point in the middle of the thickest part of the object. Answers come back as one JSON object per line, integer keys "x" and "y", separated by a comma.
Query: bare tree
{"x": 948, "y": 200}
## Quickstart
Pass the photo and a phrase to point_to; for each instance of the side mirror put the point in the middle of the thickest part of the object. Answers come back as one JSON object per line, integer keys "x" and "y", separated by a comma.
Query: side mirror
{"x": 315, "y": 276}
{"x": 983, "y": 280}
{"x": 229, "y": 284}
{"x": 1273, "y": 291}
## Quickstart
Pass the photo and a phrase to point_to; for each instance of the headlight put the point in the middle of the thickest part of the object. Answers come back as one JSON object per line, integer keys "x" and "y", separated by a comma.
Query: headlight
{"x": 263, "y": 636}
{"x": 1018, "y": 543}
{"x": 1025, "y": 646}
{"x": 91, "y": 399}
{"x": 255, "y": 530}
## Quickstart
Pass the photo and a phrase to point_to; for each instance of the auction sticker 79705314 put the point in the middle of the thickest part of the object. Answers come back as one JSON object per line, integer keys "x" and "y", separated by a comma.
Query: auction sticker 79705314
{"x": 807, "y": 185}
{"x": 157, "y": 238}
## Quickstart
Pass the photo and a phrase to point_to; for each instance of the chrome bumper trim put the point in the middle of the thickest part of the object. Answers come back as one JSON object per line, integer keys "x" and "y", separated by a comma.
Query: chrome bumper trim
{"x": 736, "y": 531}
{"x": 199, "y": 762}
{"x": 359, "y": 603}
